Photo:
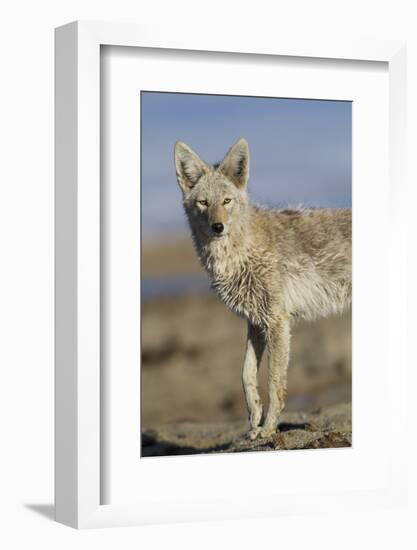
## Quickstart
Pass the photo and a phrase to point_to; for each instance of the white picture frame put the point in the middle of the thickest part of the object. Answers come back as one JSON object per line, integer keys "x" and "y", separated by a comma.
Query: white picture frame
{"x": 78, "y": 405}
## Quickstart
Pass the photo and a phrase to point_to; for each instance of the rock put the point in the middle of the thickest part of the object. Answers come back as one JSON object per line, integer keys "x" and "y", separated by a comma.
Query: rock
{"x": 323, "y": 428}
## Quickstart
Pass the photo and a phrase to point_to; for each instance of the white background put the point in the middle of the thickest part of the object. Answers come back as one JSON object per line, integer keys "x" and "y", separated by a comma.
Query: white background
{"x": 26, "y": 300}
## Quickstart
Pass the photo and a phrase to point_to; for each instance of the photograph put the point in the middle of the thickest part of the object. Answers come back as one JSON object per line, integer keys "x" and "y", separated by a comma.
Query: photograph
{"x": 246, "y": 273}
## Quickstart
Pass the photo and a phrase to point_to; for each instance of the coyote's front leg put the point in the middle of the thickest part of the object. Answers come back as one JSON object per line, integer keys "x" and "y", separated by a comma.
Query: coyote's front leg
{"x": 279, "y": 351}
{"x": 254, "y": 352}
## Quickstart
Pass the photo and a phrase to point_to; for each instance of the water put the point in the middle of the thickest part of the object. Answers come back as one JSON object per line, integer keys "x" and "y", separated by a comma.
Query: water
{"x": 178, "y": 285}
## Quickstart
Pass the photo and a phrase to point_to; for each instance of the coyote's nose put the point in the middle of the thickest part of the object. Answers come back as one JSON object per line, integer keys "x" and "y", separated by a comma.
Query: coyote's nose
{"x": 217, "y": 228}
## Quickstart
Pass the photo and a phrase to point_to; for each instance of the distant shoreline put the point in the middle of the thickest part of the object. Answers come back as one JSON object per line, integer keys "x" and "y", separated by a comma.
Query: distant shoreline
{"x": 173, "y": 285}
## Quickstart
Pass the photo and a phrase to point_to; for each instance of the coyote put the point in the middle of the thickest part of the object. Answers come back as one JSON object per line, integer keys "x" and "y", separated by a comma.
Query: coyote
{"x": 270, "y": 266}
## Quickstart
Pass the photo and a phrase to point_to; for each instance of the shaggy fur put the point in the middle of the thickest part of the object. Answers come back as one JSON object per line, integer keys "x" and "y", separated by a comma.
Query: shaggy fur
{"x": 268, "y": 266}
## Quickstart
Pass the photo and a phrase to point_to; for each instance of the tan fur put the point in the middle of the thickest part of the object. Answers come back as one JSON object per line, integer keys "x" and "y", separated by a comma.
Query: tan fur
{"x": 269, "y": 266}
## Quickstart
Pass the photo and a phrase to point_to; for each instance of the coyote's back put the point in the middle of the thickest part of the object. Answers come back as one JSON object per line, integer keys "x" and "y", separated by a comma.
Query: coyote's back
{"x": 315, "y": 260}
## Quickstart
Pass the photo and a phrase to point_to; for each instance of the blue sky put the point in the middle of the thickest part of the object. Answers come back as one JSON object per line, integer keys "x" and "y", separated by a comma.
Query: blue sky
{"x": 300, "y": 150}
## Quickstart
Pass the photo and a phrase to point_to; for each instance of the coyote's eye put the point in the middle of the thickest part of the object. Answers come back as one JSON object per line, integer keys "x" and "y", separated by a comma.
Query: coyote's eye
{"x": 202, "y": 202}
{"x": 226, "y": 201}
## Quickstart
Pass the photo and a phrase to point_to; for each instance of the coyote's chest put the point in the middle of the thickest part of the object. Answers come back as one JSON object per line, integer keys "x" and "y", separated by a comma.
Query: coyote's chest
{"x": 241, "y": 284}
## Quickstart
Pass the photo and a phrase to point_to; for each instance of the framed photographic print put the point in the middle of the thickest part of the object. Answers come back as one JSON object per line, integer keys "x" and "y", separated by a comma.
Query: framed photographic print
{"x": 227, "y": 259}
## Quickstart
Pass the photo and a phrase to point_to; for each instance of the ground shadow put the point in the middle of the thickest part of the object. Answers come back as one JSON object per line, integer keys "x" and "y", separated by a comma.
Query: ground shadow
{"x": 288, "y": 426}
{"x": 151, "y": 446}
{"x": 45, "y": 510}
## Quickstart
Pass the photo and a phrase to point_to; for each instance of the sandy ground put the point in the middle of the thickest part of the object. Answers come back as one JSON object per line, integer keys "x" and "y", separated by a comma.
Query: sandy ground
{"x": 322, "y": 428}
{"x": 192, "y": 353}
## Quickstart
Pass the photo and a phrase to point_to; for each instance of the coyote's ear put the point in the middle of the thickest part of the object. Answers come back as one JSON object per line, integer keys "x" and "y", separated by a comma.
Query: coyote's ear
{"x": 235, "y": 164}
{"x": 188, "y": 165}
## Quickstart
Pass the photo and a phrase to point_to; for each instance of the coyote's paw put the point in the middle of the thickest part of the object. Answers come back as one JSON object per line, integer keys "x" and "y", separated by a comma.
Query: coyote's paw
{"x": 253, "y": 433}
{"x": 260, "y": 433}
{"x": 266, "y": 433}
